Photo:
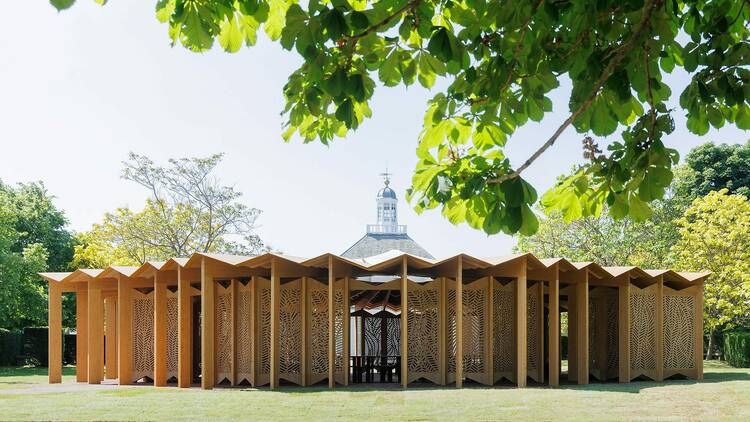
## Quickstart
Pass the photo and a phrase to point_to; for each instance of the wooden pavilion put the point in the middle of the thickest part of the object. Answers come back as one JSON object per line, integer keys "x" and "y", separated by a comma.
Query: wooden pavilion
{"x": 273, "y": 319}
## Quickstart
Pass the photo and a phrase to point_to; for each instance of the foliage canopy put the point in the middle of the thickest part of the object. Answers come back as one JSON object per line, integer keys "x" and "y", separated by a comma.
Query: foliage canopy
{"x": 713, "y": 167}
{"x": 33, "y": 238}
{"x": 715, "y": 236}
{"x": 188, "y": 210}
{"x": 501, "y": 59}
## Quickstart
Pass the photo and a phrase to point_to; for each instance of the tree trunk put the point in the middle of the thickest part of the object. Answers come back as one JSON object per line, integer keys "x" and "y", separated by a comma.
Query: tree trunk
{"x": 711, "y": 345}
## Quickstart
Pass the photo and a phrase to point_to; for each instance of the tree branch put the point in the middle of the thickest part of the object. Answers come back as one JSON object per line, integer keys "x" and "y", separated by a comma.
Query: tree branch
{"x": 616, "y": 59}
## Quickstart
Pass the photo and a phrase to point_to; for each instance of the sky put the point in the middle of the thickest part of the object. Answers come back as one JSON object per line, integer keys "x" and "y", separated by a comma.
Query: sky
{"x": 82, "y": 88}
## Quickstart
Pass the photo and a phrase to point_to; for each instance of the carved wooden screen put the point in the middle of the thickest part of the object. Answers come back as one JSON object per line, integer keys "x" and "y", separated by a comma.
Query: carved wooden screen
{"x": 643, "y": 331}
{"x": 143, "y": 334}
{"x": 535, "y": 331}
{"x": 263, "y": 328}
{"x": 341, "y": 368}
{"x": 290, "y": 331}
{"x": 172, "y": 346}
{"x": 424, "y": 331}
{"x": 244, "y": 351}
{"x": 223, "y": 331}
{"x": 317, "y": 331}
{"x": 503, "y": 331}
{"x": 679, "y": 331}
{"x": 450, "y": 330}
{"x": 475, "y": 330}
{"x": 603, "y": 333}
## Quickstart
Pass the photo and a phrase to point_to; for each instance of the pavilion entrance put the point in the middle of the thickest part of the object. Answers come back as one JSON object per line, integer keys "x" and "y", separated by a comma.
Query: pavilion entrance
{"x": 375, "y": 350}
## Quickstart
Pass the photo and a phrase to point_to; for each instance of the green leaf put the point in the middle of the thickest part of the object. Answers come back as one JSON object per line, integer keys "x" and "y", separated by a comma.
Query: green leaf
{"x": 62, "y": 4}
{"x": 230, "y": 36}
{"x": 530, "y": 222}
{"x": 345, "y": 113}
{"x": 488, "y": 136}
{"x": 440, "y": 44}
{"x": 639, "y": 210}
{"x": 276, "y": 18}
{"x": 164, "y": 10}
{"x": 334, "y": 24}
{"x": 359, "y": 20}
{"x": 743, "y": 117}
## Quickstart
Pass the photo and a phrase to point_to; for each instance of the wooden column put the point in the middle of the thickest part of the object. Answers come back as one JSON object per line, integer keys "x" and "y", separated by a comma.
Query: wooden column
{"x": 521, "y": 325}
{"x": 96, "y": 333}
{"x": 459, "y": 324}
{"x": 125, "y": 331}
{"x": 275, "y": 292}
{"x": 699, "y": 333}
{"x": 184, "y": 329}
{"x": 82, "y": 334}
{"x": 160, "y": 331}
{"x": 488, "y": 340}
{"x": 303, "y": 318}
{"x": 623, "y": 327}
{"x": 554, "y": 326}
{"x": 659, "y": 328}
{"x": 582, "y": 324}
{"x": 443, "y": 317}
{"x": 331, "y": 322}
{"x": 54, "y": 332}
{"x": 110, "y": 337}
{"x": 208, "y": 292}
{"x": 346, "y": 332}
{"x": 404, "y": 323}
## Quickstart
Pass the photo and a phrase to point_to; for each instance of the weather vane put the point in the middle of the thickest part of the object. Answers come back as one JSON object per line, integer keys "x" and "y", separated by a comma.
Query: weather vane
{"x": 387, "y": 176}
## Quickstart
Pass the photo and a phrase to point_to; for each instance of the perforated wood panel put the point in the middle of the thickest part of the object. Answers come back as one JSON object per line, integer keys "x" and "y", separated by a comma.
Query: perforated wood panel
{"x": 450, "y": 330}
{"x": 290, "y": 331}
{"x": 423, "y": 328}
{"x": 317, "y": 338}
{"x": 223, "y": 343}
{"x": 679, "y": 331}
{"x": 643, "y": 331}
{"x": 503, "y": 339}
{"x": 172, "y": 337}
{"x": 612, "y": 304}
{"x": 245, "y": 336}
{"x": 475, "y": 330}
{"x": 143, "y": 335}
{"x": 338, "y": 331}
{"x": 534, "y": 332}
{"x": 603, "y": 334}
{"x": 263, "y": 362}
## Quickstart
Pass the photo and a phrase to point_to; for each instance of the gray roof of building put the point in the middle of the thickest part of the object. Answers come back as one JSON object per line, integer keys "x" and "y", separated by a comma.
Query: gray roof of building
{"x": 373, "y": 244}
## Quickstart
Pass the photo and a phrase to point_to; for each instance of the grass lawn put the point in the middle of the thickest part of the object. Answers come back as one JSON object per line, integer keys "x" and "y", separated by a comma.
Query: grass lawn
{"x": 724, "y": 394}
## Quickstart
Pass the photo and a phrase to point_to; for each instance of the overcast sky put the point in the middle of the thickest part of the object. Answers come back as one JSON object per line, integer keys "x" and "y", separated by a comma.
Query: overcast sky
{"x": 82, "y": 88}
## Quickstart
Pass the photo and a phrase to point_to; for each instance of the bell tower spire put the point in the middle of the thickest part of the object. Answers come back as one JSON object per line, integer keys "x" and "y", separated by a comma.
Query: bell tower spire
{"x": 387, "y": 207}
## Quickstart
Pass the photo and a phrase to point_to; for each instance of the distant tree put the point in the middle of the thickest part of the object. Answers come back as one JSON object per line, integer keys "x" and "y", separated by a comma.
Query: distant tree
{"x": 715, "y": 236}
{"x": 710, "y": 167}
{"x": 33, "y": 238}
{"x": 188, "y": 211}
{"x": 500, "y": 61}
{"x": 605, "y": 240}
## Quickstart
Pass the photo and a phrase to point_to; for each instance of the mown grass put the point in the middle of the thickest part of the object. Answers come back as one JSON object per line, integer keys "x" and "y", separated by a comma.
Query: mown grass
{"x": 724, "y": 394}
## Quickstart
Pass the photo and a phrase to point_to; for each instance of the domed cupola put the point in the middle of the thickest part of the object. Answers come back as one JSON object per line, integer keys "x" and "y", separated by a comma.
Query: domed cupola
{"x": 387, "y": 234}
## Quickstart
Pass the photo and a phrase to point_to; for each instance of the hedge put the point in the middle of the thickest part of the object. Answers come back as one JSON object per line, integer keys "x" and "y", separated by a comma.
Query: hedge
{"x": 737, "y": 348}
{"x": 11, "y": 347}
{"x": 69, "y": 349}
{"x": 35, "y": 340}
